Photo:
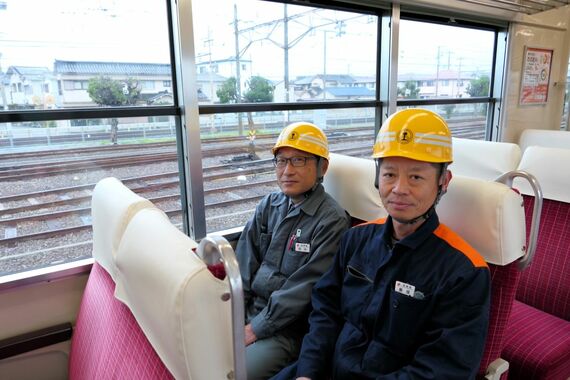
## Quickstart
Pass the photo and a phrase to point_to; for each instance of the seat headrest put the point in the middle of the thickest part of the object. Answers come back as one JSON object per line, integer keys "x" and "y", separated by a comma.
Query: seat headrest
{"x": 546, "y": 138}
{"x": 499, "y": 158}
{"x": 350, "y": 180}
{"x": 549, "y": 166}
{"x": 488, "y": 215}
{"x": 112, "y": 207}
{"x": 180, "y": 306}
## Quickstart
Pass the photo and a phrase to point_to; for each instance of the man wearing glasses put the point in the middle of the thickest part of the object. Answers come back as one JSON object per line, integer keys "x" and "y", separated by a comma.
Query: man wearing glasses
{"x": 285, "y": 248}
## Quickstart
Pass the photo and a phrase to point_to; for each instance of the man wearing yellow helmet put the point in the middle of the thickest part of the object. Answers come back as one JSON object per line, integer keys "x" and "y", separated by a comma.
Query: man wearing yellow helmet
{"x": 284, "y": 249}
{"x": 406, "y": 297}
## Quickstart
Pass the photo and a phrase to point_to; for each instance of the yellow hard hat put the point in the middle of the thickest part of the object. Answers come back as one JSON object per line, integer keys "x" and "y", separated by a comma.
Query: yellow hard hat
{"x": 414, "y": 133}
{"x": 303, "y": 136}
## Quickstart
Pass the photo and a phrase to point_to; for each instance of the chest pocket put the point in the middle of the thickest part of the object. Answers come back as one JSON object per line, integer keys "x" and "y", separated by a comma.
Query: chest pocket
{"x": 293, "y": 260}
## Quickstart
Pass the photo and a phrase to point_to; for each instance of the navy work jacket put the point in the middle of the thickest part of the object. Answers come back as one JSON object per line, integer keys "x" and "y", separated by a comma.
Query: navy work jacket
{"x": 418, "y": 310}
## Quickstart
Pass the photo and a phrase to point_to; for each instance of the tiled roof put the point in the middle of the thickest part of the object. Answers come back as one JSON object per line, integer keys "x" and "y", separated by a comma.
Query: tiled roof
{"x": 109, "y": 68}
{"x": 28, "y": 71}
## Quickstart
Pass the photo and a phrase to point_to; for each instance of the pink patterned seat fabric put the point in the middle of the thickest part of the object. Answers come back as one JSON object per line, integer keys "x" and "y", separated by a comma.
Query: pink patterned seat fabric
{"x": 504, "y": 281}
{"x": 538, "y": 336}
{"x": 107, "y": 342}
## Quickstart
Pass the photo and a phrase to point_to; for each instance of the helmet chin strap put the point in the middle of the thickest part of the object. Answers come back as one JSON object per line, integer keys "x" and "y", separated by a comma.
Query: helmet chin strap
{"x": 319, "y": 179}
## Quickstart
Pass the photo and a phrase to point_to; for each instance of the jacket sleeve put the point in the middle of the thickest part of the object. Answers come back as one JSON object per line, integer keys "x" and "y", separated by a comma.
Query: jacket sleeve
{"x": 326, "y": 321}
{"x": 248, "y": 251}
{"x": 455, "y": 335}
{"x": 292, "y": 301}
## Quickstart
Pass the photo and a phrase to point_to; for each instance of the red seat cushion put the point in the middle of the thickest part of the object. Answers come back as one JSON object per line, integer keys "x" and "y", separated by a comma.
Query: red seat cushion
{"x": 504, "y": 281}
{"x": 538, "y": 345}
{"x": 545, "y": 284}
{"x": 107, "y": 342}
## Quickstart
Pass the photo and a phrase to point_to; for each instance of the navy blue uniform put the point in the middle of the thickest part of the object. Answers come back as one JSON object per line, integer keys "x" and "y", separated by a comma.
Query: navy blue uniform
{"x": 418, "y": 310}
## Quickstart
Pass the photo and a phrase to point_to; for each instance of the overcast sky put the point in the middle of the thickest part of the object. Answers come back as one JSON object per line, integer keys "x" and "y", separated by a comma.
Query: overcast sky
{"x": 36, "y": 32}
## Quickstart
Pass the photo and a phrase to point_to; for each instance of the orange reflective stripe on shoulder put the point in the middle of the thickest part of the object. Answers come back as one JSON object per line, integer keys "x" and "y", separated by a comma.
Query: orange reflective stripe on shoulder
{"x": 453, "y": 239}
{"x": 376, "y": 221}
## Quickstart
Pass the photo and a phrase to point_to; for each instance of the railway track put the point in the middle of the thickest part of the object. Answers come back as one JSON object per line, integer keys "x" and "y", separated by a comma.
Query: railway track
{"x": 22, "y": 215}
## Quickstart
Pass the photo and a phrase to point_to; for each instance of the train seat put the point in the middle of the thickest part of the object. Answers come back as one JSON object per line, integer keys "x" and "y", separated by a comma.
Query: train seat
{"x": 538, "y": 335}
{"x": 139, "y": 318}
{"x": 183, "y": 309}
{"x": 496, "y": 229}
{"x": 546, "y": 138}
{"x": 499, "y": 158}
{"x": 107, "y": 342}
{"x": 500, "y": 238}
{"x": 350, "y": 180}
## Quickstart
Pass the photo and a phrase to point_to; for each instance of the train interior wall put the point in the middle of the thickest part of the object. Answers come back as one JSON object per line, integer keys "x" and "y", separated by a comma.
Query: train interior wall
{"x": 549, "y": 30}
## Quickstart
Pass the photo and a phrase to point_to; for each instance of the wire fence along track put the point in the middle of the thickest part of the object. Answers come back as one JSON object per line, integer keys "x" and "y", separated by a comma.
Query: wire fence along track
{"x": 29, "y": 170}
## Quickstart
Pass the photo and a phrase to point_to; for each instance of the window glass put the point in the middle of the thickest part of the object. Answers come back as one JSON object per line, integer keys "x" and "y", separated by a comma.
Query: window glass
{"x": 49, "y": 168}
{"x": 442, "y": 61}
{"x": 565, "y": 121}
{"x": 239, "y": 172}
{"x": 244, "y": 55}
{"x": 464, "y": 120}
{"x": 95, "y": 52}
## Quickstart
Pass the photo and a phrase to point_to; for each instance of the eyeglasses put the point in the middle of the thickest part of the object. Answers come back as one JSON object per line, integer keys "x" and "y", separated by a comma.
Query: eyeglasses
{"x": 281, "y": 162}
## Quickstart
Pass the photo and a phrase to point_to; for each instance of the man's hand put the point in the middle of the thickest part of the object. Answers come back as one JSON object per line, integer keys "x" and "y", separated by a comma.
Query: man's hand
{"x": 249, "y": 335}
{"x": 303, "y": 378}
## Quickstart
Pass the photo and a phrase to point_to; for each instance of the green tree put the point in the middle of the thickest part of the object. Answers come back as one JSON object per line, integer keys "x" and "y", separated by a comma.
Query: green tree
{"x": 409, "y": 91}
{"x": 478, "y": 86}
{"x": 227, "y": 93}
{"x": 106, "y": 91}
{"x": 259, "y": 90}
{"x": 132, "y": 91}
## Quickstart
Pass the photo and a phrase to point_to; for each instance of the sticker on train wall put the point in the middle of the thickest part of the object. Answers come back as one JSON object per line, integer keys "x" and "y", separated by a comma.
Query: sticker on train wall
{"x": 303, "y": 247}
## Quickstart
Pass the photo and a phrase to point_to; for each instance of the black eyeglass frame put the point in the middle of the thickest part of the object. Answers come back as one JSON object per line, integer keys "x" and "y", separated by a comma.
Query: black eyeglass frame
{"x": 297, "y": 162}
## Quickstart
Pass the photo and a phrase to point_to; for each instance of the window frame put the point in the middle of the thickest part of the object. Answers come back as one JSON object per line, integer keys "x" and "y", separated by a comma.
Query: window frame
{"x": 186, "y": 110}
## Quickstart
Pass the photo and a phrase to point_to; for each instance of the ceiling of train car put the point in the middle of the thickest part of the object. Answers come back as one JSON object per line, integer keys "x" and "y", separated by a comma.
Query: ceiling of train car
{"x": 520, "y": 6}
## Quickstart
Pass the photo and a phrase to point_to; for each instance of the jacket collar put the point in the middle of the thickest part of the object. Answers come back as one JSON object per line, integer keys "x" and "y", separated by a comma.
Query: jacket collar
{"x": 309, "y": 205}
{"x": 418, "y": 236}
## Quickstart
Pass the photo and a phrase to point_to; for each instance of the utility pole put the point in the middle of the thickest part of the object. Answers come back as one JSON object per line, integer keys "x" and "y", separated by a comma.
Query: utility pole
{"x": 238, "y": 77}
{"x": 2, "y": 92}
{"x": 437, "y": 72}
{"x": 286, "y": 51}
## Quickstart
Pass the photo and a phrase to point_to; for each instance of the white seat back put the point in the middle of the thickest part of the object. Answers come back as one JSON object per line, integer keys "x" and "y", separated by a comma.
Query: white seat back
{"x": 483, "y": 159}
{"x": 112, "y": 207}
{"x": 488, "y": 215}
{"x": 550, "y": 167}
{"x": 350, "y": 181}
{"x": 546, "y": 138}
{"x": 181, "y": 307}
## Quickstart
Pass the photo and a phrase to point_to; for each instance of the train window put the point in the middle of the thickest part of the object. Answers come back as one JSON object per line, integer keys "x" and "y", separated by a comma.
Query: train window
{"x": 49, "y": 169}
{"x": 468, "y": 121}
{"x": 443, "y": 61}
{"x": 237, "y": 165}
{"x": 565, "y": 119}
{"x": 282, "y": 53}
{"x": 88, "y": 54}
